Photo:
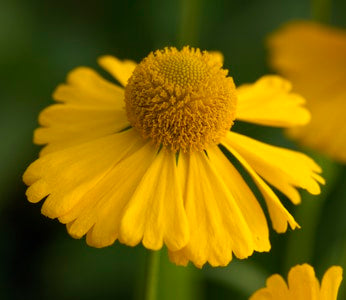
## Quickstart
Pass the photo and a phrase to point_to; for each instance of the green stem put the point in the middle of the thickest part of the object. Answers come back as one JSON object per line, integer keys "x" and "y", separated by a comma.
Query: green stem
{"x": 321, "y": 10}
{"x": 178, "y": 282}
{"x": 189, "y": 22}
{"x": 152, "y": 274}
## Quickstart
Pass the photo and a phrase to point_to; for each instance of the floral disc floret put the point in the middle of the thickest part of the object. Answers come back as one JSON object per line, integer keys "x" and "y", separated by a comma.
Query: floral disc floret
{"x": 182, "y": 100}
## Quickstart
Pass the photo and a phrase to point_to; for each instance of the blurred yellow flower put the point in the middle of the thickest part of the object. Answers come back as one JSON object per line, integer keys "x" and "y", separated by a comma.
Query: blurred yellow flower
{"x": 302, "y": 285}
{"x": 313, "y": 57}
{"x": 143, "y": 164}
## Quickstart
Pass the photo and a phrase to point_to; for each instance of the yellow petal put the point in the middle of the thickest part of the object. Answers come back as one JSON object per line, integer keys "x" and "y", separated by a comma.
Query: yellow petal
{"x": 269, "y": 101}
{"x": 67, "y": 115}
{"x": 330, "y": 283}
{"x": 276, "y": 289}
{"x": 99, "y": 211}
{"x": 68, "y": 174}
{"x": 66, "y": 125}
{"x": 302, "y": 283}
{"x": 263, "y": 294}
{"x": 156, "y": 211}
{"x": 217, "y": 225}
{"x": 283, "y": 168}
{"x": 121, "y": 70}
{"x": 244, "y": 199}
{"x": 278, "y": 214}
{"x": 87, "y": 88}
{"x": 93, "y": 107}
{"x": 218, "y": 56}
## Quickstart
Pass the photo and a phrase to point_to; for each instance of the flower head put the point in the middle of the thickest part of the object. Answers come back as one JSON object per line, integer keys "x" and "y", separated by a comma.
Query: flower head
{"x": 182, "y": 100}
{"x": 313, "y": 57}
{"x": 302, "y": 285}
{"x": 143, "y": 164}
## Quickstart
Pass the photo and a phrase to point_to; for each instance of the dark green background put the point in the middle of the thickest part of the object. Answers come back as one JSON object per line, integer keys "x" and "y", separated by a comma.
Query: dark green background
{"x": 40, "y": 41}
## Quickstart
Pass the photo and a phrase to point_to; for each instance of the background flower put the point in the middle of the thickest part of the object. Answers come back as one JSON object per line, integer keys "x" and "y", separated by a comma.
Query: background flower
{"x": 313, "y": 57}
{"x": 302, "y": 284}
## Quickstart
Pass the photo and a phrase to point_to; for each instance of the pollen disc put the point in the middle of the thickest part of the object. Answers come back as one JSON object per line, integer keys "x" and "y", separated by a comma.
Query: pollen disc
{"x": 182, "y": 100}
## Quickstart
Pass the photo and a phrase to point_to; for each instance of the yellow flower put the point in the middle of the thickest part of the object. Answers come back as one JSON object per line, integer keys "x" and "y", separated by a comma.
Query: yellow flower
{"x": 313, "y": 57}
{"x": 144, "y": 163}
{"x": 302, "y": 285}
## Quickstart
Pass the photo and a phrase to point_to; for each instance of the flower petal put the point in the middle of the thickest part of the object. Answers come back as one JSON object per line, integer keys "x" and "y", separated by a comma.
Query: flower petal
{"x": 67, "y": 125}
{"x": 217, "y": 225}
{"x": 99, "y": 211}
{"x": 269, "y": 101}
{"x": 245, "y": 200}
{"x": 156, "y": 211}
{"x": 330, "y": 283}
{"x": 218, "y": 56}
{"x": 121, "y": 70}
{"x": 86, "y": 88}
{"x": 302, "y": 283}
{"x": 68, "y": 174}
{"x": 283, "y": 168}
{"x": 276, "y": 288}
{"x": 278, "y": 214}
{"x": 92, "y": 107}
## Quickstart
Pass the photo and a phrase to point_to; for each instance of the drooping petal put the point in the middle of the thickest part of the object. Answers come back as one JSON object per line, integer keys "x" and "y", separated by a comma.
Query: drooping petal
{"x": 278, "y": 213}
{"x": 302, "y": 283}
{"x": 330, "y": 283}
{"x": 269, "y": 101}
{"x": 244, "y": 198}
{"x": 283, "y": 168}
{"x": 217, "y": 224}
{"x": 156, "y": 211}
{"x": 68, "y": 174}
{"x": 99, "y": 211}
{"x": 120, "y": 69}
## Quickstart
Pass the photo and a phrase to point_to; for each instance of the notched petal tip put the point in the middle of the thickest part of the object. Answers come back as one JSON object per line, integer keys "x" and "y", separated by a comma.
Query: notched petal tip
{"x": 37, "y": 191}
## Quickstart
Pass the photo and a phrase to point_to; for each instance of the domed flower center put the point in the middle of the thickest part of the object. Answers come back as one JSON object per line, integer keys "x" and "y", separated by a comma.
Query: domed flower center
{"x": 181, "y": 69}
{"x": 182, "y": 100}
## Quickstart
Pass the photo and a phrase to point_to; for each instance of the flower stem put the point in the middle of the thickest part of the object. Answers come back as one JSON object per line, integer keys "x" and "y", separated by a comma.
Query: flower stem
{"x": 152, "y": 274}
{"x": 321, "y": 10}
{"x": 189, "y": 22}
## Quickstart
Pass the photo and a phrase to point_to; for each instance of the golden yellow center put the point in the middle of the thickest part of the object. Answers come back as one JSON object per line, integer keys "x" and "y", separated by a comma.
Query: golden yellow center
{"x": 182, "y": 69}
{"x": 182, "y": 100}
